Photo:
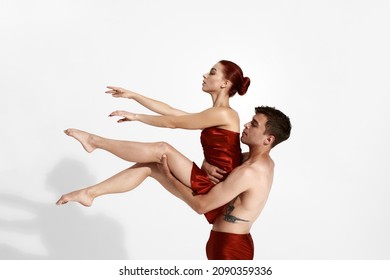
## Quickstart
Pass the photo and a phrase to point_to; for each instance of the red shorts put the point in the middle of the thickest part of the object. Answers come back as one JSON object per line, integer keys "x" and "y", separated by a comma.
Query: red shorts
{"x": 229, "y": 246}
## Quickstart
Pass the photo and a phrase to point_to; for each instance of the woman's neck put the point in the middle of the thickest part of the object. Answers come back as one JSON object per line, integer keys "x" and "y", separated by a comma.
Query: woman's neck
{"x": 220, "y": 100}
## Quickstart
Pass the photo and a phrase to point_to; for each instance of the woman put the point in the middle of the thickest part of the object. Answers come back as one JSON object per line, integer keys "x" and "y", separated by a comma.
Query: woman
{"x": 220, "y": 127}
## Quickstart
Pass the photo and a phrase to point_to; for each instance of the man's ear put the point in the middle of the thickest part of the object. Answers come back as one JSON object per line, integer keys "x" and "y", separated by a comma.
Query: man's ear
{"x": 269, "y": 140}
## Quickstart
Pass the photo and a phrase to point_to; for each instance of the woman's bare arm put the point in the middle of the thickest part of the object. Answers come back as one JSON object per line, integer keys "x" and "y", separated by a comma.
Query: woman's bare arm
{"x": 149, "y": 103}
{"x": 216, "y": 116}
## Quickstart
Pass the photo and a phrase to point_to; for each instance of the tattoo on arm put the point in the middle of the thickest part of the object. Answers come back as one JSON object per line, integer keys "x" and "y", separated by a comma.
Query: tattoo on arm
{"x": 230, "y": 218}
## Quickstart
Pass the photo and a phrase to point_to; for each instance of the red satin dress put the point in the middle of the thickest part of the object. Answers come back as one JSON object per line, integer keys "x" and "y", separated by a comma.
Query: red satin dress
{"x": 229, "y": 246}
{"x": 221, "y": 148}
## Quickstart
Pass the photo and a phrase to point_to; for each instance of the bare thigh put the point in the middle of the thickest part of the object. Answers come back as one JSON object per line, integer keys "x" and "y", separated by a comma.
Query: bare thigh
{"x": 180, "y": 165}
{"x": 160, "y": 177}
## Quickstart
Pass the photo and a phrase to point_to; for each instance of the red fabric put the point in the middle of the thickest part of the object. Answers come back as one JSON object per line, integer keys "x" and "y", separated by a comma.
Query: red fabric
{"x": 221, "y": 148}
{"x": 229, "y": 246}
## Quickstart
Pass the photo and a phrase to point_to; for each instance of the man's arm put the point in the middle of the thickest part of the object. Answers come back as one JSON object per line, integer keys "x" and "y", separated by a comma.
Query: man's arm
{"x": 237, "y": 182}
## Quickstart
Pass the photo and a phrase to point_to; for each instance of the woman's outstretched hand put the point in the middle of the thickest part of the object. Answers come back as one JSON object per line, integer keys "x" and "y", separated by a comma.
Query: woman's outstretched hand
{"x": 126, "y": 116}
{"x": 119, "y": 92}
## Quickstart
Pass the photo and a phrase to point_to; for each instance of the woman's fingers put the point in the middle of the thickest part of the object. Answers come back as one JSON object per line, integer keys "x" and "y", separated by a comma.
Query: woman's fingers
{"x": 115, "y": 91}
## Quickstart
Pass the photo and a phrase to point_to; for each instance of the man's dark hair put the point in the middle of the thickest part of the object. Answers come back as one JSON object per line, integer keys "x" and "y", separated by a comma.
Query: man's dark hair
{"x": 278, "y": 124}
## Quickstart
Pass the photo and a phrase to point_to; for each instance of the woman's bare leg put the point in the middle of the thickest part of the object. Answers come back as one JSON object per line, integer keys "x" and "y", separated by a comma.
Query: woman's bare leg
{"x": 139, "y": 152}
{"x": 124, "y": 181}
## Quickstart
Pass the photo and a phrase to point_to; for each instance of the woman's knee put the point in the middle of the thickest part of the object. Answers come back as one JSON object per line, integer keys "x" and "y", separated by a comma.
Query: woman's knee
{"x": 163, "y": 148}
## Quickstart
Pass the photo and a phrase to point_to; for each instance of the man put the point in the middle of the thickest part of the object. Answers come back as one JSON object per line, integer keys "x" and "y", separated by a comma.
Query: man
{"x": 244, "y": 192}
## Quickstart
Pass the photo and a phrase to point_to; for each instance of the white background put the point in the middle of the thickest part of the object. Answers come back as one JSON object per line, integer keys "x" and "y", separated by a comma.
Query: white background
{"x": 324, "y": 63}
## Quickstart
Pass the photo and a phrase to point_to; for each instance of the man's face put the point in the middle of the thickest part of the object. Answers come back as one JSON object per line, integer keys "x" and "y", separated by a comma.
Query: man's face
{"x": 253, "y": 133}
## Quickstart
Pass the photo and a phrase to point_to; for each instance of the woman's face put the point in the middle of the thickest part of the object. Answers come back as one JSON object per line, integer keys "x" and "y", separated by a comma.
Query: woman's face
{"x": 214, "y": 80}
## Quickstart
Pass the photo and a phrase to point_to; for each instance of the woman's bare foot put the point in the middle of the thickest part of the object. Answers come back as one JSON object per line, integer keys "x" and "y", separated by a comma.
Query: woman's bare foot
{"x": 85, "y": 138}
{"x": 80, "y": 196}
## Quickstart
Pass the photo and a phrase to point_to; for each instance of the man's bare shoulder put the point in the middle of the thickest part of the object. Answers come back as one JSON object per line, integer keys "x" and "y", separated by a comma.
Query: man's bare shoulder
{"x": 258, "y": 171}
{"x": 262, "y": 164}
